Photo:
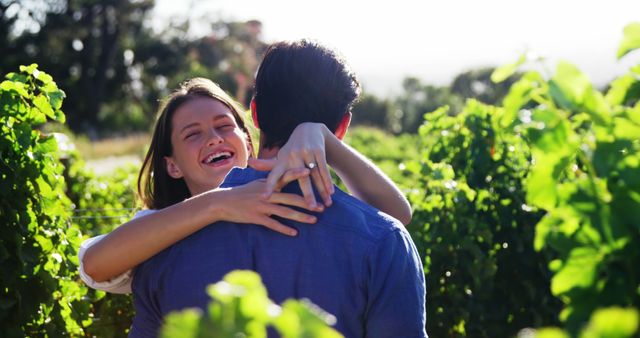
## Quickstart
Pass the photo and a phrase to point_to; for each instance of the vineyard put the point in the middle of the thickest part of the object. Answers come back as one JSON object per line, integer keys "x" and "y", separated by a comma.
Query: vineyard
{"x": 526, "y": 214}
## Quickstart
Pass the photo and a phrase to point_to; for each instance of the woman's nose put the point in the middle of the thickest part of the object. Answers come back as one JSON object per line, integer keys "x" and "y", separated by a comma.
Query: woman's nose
{"x": 214, "y": 137}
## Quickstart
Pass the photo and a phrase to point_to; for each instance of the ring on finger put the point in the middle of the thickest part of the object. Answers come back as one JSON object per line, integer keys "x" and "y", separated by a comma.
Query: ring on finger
{"x": 311, "y": 165}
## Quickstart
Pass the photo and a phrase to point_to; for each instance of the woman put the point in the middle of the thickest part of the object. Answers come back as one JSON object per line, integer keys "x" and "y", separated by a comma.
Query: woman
{"x": 198, "y": 138}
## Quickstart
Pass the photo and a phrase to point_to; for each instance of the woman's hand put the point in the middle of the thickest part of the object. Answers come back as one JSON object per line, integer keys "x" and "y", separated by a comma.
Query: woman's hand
{"x": 247, "y": 203}
{"x": 305, "y": 146}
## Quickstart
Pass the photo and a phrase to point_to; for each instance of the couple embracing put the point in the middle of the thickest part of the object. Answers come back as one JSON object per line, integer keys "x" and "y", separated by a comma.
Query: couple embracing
{"x": 208, "y": 213}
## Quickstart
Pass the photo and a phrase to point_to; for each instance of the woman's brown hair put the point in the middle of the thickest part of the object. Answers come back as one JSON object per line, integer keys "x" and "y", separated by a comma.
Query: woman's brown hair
{"x": 156, "y": 188}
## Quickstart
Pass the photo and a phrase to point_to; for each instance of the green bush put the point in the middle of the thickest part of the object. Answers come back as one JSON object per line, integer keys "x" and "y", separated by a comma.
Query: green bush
{"x": 101, "y": 204}
{"x": 474, "y": 229}
{"x": 40, "y": 293}
{"x": 389, "y": 152}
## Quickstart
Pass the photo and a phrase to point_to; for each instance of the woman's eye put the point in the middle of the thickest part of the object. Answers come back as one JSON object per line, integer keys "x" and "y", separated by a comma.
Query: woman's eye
{"x": 191, "y": 135}
{"x": 226, "y": 126}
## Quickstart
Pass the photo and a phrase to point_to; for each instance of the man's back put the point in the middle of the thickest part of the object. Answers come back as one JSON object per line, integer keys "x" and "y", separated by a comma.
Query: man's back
{"x": 355, "y": 263}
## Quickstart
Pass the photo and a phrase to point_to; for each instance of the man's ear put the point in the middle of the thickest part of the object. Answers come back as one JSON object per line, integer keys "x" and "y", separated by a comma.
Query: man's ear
{"x": 341, "y": 130}
{"x": 172, "y": 168}
{"x": 254, "y": 112}
{"x": 250, "y": 147}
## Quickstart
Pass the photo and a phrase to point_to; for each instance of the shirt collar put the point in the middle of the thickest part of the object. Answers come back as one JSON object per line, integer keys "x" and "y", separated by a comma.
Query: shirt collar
{"x": 242, "y": 175}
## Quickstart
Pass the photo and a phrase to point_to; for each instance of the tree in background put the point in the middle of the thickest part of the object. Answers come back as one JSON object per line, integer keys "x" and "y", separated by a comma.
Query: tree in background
{"x": 82, "y": 44}
{"x": 418, "y": 99}
{"x": 114, "y": 66}
{"x": 477, "y": 84}
{"x": 372, "y": 111}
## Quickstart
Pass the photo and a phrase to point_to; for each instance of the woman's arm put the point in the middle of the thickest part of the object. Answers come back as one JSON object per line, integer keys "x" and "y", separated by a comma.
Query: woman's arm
{"x": 141, "y": 238}
{"x": 365, "y": 180}
{"x": 362, "y": 177}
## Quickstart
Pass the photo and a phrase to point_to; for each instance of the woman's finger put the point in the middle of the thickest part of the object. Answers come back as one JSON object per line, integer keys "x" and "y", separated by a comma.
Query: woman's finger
{"x": 323, "y": 169}
{"x": 276, "y": 226}
{"x": 272, "y": 180}
{"x": 290, "y": 176}
{"x": 307, "y": 192}
{"x": 293, "y": 200}
{"x": 322, "y": 186}
{"x": 306, "y": 184}
{"x": 290, "y": 214}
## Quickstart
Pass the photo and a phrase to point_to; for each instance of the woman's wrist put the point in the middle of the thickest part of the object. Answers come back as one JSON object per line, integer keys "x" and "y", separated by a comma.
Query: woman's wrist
{"x": 212, "y": 203}
{"x": 334, "y": 150}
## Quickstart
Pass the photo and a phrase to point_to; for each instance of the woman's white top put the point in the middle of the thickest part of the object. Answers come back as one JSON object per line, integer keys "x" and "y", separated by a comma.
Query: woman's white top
{"x": 118, "y": 284}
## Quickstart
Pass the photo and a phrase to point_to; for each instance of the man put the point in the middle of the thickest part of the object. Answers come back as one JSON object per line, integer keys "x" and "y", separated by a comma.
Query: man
{"x": 355, "y": 262}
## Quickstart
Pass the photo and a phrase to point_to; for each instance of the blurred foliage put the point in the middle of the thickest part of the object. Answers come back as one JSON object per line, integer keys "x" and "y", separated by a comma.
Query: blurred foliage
{"x": 241, "y": 308}
{"x": 585, "y": 148}
{"x": 390, "y": 153}
{"x": 613, "y": 322}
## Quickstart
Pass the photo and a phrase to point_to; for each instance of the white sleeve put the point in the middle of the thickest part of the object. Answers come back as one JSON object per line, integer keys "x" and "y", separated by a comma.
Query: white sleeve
{"x": 119, "y": 284}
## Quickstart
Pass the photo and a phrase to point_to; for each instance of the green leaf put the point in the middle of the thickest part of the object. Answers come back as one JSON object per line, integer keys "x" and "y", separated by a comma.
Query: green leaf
{"x": 247, "y": 285}
{"x": 23, "y": 136}
{"x": 42, "y": 103}
{"x": 612, "y": 322}
{"x": 546, "y": 226}
{"x": 48, "y": 144}
{"x": 303, "y": 319}
{"x": 182, "y": 324}
{"x": 617, "y": 94}
{"x": 45, "y": 243}
{"x": 14, "y": 86}
{"x": 30, "y": 69}
{"x": 624, "y": 129}
{"x": 569, "y": 85}
{"x": 579, "y": 270}
{"x": 519, "y": 95}
{"x": 56, "y": 98}
{"x": 16, "y": 77}
{"x": 572, "y": 90}
{"x": 503, "y": 72}
{"x": 550, "y": 332}
{"x": 541, "y": 185}
{"x": 607, "y": 156}
{"x": 44, "y": 77}
{"x": 630, "y": 40}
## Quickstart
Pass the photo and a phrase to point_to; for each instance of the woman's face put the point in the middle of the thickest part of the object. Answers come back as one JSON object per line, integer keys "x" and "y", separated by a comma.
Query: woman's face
{"x": 207, "y": 142}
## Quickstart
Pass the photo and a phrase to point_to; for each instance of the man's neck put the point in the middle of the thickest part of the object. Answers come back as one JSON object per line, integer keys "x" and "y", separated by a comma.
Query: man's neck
{"x": 268, "y": 152}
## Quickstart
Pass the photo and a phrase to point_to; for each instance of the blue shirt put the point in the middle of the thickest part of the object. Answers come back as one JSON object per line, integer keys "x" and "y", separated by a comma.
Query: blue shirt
{"x": 356, "y": 263}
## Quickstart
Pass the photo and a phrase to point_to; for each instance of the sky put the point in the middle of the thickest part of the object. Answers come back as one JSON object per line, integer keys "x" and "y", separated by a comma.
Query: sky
{"x": 386, "y": 41}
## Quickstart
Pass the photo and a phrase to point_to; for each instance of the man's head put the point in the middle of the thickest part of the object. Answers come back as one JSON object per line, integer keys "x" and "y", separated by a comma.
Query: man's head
{"x": 301, "y": 81}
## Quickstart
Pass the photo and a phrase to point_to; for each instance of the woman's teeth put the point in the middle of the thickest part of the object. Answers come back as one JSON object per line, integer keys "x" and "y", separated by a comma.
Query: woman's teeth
{"x": 215, "y": 157}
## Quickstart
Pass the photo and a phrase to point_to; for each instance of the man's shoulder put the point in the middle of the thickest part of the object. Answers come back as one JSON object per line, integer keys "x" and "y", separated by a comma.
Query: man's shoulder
{"x": 363, "y": 220}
